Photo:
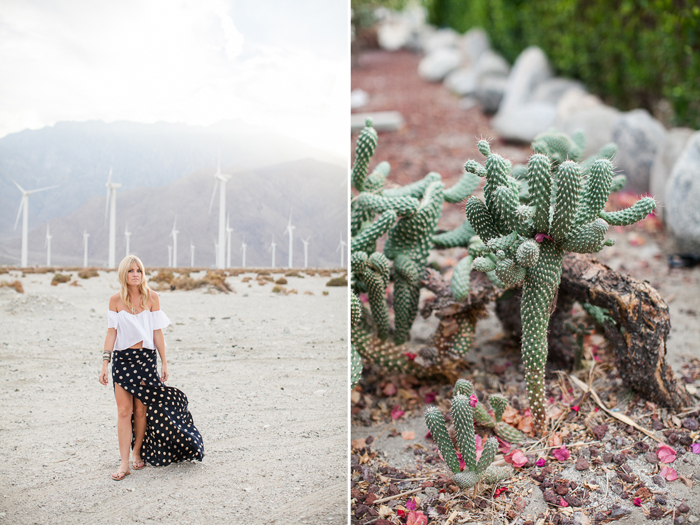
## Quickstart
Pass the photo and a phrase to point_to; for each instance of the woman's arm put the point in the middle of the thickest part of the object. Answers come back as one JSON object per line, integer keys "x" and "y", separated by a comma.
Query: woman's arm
{"x": 110, "y": 339}
{"x": 159, "y": 340}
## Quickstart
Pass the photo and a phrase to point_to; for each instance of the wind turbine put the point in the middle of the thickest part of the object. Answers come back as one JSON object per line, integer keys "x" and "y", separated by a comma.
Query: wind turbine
{"x": 174, "y": 233}
{"x": 170, "y": 256}
{"x": 85, "y": 248}
{"x": 306, "y": 252}
{"x": 228, "y": 244}
{"x": 272, "y": 247}
{"x": 24, "y": 206}
{"x": 111, "y": 207}
{"x": 191, "y": 254}
{"x": 341, "y": 247}
{"x": 216, "y": 253}
{"x": 220, "y": 180}
{"x": 127, "y": 234}
{"x": 48, "y": 246}
{"x": 243, "y": 247}
{"x": 290, "y": 230}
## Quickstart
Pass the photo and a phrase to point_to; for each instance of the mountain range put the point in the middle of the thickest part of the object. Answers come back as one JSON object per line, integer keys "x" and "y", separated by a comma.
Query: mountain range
{"x": 167, "y": 172}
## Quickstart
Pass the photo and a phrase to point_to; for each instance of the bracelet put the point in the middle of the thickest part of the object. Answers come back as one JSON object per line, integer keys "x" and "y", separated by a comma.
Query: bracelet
{"x": 106, "y": 355}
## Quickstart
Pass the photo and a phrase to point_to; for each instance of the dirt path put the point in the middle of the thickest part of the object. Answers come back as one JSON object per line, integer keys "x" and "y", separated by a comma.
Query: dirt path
{"x": 266, "y": 378}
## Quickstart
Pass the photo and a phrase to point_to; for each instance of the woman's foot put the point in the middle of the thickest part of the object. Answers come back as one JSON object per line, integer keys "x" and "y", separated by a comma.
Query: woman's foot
{"x": 120, "y": 475}
{"x": 137, "y": 463}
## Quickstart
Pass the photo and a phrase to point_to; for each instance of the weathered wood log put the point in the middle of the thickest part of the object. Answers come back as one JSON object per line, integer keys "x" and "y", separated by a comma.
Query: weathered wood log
{"x": 638, "y": 335}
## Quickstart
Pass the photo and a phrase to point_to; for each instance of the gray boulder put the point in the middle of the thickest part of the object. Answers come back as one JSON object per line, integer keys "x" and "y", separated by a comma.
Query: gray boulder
{"x": 436, "y": 65}
{"x": 473, "y": 44}
{"x": 530, "y": 69}
{"x": 400, "y": 29}
{"x": 578, "y": 110}
{"x": 491, "y": 63}
{"x": 490, "y": 91}
{"x": 462, "y": 81}
{"x": 439, "y": 39}
{"x": 671, "y": 149}
{"x": 639, "y": 137}
{"x": 683, "y": 196}
{"x": 466, "y": 81}
{"x": 553, "y": 89}
{"x": 524, "y": 123}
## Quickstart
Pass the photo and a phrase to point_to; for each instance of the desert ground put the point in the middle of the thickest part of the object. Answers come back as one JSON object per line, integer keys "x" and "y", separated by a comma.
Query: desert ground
{"x": 267, "y": 380}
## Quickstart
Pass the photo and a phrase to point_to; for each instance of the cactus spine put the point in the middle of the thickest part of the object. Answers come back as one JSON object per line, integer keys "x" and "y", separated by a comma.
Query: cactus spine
{"x": 498, "y": 403}
{"x": 562, "y": 213}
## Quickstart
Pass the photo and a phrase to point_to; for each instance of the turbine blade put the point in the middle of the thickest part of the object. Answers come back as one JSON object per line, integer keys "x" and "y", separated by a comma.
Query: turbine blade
{"x": 20, "y": 187}
{"x": 21, "y": 205}
{"x": 211, "y": 202}
{"x": 42, "y": 189}
{"x": 107, "y": 205}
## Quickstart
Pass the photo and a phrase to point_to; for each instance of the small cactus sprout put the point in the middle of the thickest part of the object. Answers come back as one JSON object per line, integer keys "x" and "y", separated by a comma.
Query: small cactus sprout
{"x": 475, "y": 471}
{"x": 481, "y": 416}
{"x": 563, "y": 212}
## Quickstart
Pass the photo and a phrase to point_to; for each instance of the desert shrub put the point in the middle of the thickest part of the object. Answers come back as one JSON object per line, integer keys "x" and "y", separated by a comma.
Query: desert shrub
{"x": 293, "y": 273}
{"x": 17, "y": 285}
{"x": 654, "y": 56}
{"x": 308, "y": 292}
{"x": 87, "y": 273}
{"x": 338, "y": 281}
{"x": 74, "y": 283}
{"x": 217, "y": 279}
{"x": 279, "y": 289}
{"x": 281, "y": 280}
{"x": 163, "y": 276}
{"x": 3, "y": 270}
{"x": 246, "y": 279}
{"x": 59, "y": 278}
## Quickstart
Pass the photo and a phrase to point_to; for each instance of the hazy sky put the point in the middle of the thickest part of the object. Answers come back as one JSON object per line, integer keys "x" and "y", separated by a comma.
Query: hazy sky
{"x": 276, "y": 62}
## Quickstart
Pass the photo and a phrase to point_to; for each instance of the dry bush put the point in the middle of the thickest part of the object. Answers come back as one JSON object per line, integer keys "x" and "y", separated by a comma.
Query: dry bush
{"x": 163, "y": 276}
{"x": 263, "y": 272}
{"x": 279, "y": 289}
{"x": 308, "y": 292}
{"x": 87, "y": 273}
{"x": 325, "y": 292}
{"x": 292, "y": 291}
{"x": 17, "y": 285}
{"x": 185, "y": 282}
{"x": 74, "y": 283}
{"x": 217, "y": 279}
{"x": 338, "y": 281}
{"x": 59, "y": 278}
{"x": 246, "y": 279}
{"x": 293, "y": 273}
{"x": 281, "y": 280}
{"x": 38, "y": 270}
{"x": 324, "y": 273}
{"x": 3, "y": 270}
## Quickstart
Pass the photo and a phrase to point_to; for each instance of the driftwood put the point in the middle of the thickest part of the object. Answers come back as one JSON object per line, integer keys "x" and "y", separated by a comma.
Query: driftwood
{"x": 638, "y": 334}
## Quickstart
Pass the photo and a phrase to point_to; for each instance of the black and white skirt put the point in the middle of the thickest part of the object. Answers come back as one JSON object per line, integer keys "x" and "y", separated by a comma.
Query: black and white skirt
{"x": 170, "y": 432}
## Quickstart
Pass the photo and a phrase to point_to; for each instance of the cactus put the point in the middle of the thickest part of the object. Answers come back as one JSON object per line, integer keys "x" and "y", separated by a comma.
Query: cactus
{"x": 563, "y": 212}
{"x": 498, "y": 403}
{"x": 475, "y": 471}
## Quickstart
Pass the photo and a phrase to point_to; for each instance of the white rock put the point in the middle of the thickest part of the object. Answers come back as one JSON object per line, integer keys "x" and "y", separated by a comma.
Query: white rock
{"x": 462, "y": 81}
{"x": 553, "y": 89}
{"x": 491, "y": 63}
{"x": 436, "y": 65}
{"x": 473, "y": 44}
{"x": 683, "y": 195}
{"x": 676, "y": 139}
{"x": 381, "y": 120}
{"x": 524, "y": 123}
{"x": 358, "y": 98}
{"x": 445, "y": 38}
{"x": 394, "y": 35}
{"x": 578, "y": 110}
{"x": 490, "y": 91}
{"x": 530, "y": 69}
{"x": 638, "y": 136}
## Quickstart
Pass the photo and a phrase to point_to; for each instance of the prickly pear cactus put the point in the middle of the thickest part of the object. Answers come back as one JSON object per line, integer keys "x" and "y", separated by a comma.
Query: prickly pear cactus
{"x": 475, "y": 471}
{"x": 564, "y": 212}
{"x": 481, "y": 416}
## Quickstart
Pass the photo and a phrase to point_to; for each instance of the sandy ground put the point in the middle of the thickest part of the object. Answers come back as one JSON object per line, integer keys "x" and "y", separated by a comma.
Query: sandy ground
{"x": 266, "y": 378}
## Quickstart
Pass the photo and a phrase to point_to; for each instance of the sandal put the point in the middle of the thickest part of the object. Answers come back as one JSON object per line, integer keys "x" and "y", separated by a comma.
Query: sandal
{"x": 138, "y": 465}
{"x": 120, "y": 475}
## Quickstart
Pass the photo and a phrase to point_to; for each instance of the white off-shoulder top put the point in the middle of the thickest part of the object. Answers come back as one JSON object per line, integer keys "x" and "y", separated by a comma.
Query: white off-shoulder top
{"x": 133, "y": 328}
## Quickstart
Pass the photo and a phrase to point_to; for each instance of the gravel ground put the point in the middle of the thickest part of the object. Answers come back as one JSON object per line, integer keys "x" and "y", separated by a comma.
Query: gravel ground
{"x": 266, "y": 378}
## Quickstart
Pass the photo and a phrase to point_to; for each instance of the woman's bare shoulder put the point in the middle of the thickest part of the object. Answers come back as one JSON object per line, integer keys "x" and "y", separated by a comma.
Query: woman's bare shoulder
{"x": 114, "y": 302}
{"x": 154, "y": 302}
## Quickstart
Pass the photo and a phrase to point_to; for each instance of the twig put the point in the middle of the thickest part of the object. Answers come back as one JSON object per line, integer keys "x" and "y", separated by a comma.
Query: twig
{"x": 389, "y": 498}
{"x": 621, "y": 417}
{"x": 452, "y": 516}
{"x": 579, "y": 444}
{"x": 688, "y": 411}
{"x": 385, "y": 429}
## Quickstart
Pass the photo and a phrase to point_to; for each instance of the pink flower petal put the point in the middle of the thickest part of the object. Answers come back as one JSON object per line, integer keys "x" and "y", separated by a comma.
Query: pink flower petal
{"x": 416, "y": 517}
{"x": 503, "y": 446}
{"x": 668, "y": 473}
{"x": 695, "y": 447}
{"x": 397, "y": 412}
{"x": 542, "y": 236}
{"x": 575, "y": 408}
{"x": 411, "y": 504}
{"x": 562, "y": 453}
{"x": 430, "y": 397}
{"x": 462, "y": 464}
{"x": 541, "y": 462}
{"x": 637, "y": 502}
{"x": 410, "y": 356}
{"x": 666, "y": 454}
{"x": 479, "y": 446}
{"x": 563, "y": 503}
{"x": 473, "y": 400}
{"x": 516, "y": 458}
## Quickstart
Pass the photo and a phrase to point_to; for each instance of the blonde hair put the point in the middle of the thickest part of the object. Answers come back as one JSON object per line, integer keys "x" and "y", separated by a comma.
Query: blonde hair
{"x": 123, "y": 272}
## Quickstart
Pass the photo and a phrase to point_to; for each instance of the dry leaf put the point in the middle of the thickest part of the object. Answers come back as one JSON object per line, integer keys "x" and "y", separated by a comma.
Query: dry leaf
{"x": 408, "y": 435}
{"x": 554, "y": 440}
{"x": 358, "y": 443}
{"x": 355, "y": 396}
{"x": 688, "y": 482}
{"x": 384, "y": 511}
{"x": 554, "y": 412}
{"x": 676, "y": 421}
{"x": 511, "y": 416}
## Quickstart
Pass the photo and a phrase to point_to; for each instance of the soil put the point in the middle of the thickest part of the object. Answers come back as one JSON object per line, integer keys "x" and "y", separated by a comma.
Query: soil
{"x": 391, "y": 454}
{"x": 266, "y": 378}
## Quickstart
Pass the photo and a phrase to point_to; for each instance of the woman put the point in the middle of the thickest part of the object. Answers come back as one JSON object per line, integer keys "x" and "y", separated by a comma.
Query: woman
{"x": 152, "y": 418}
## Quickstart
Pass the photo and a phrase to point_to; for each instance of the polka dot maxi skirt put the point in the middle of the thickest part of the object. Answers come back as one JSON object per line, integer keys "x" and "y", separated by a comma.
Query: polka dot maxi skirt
{"x": 170, "y": 432}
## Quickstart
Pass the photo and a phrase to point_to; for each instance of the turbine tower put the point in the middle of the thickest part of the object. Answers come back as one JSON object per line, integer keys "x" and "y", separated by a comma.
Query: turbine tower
{"x": 220, "y": 181}
{"x": 306, "y": 252}
{"x": 272, "y": 247}
{"x": 191, "y": 254}
{"x": 174, "y": 233}
{"x": 170, "y": 256}
{"x": 24, "y": 206}
{"x": 127, "y": 234}
{"x": 290, "y": 230}
{"x": 341, "y": 247}
{"x": 48, "y": 246}
{"x": 111, "y": 207}
{"x": 228, "y": 244}
{"x": 243, "y": 247}
{"x": 85, "y": 248}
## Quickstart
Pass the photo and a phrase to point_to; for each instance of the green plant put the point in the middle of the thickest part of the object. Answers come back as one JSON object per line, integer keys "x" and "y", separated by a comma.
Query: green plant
{"x": 475, "y": 471}
{"x": 563, "y": 213}
{"x": 482, "y": 417}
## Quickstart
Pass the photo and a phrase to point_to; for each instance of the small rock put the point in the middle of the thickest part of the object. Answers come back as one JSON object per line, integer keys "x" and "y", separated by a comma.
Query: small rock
{"x": 550, "y": 497}
{"x": 640, "y": 445}
{"x": 660, "y": 499}
{"x": 651, "y": 458}
{"x": 690, "y": 423}
{"x": 657, "y": 425}
{"x": 619, "y": 459}
{"x": 608, "y": 457}
{"x": 618, "y": 513}
{"x": 659, "y": 480}
{"x": 435, "y": 65}
{"x": 599, "y": 432}
{"x": 655, "y": 513}
{"x": 573, "y": 500}
{"x": 679, "y": 520}
{"x": 682, "y": 189}
{"x": 582, "y": 464}
{"x": 683, "y": 508}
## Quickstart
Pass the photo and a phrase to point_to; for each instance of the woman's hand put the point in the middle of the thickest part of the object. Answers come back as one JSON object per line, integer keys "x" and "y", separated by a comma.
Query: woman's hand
{"x": 164, "y": 373}
{"x": 103, "y": 373}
